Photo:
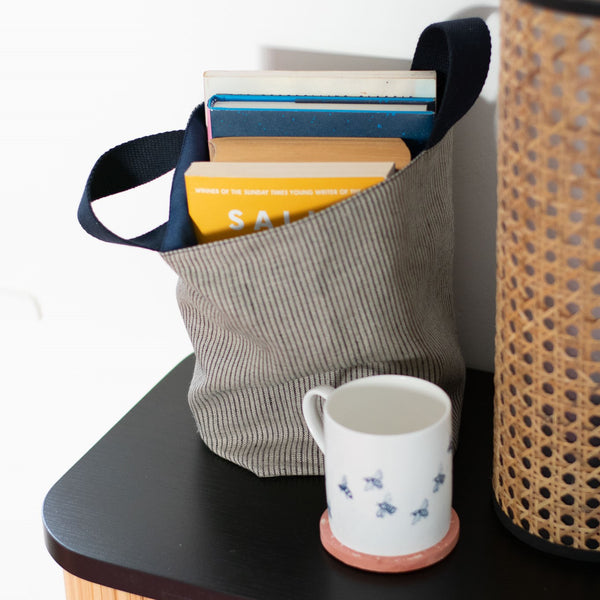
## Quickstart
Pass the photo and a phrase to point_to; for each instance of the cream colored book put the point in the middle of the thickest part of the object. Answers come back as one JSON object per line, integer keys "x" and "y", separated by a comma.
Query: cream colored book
{"x": 400, "y": 84}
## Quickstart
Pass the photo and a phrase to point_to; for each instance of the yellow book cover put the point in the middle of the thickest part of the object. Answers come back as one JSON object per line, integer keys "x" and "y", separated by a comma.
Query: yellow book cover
{"x": 227, "y": 199}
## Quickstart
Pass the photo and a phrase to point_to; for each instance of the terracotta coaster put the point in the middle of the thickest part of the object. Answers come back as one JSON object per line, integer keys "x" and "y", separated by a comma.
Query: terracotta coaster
{"x": 390, "y": 564}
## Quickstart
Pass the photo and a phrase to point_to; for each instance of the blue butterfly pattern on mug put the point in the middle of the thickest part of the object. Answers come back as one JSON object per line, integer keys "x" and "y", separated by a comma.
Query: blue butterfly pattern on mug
{"x": 344, "y": 487}
{"x": 420, "y": 513}
{"x": 438, "y": 481}
{"x": 386, "y": 507}
{"x": 374, "y": 482}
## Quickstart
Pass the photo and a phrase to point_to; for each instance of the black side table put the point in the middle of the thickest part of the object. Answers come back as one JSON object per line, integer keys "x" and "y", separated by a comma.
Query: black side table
{"x": 151, "y": 511}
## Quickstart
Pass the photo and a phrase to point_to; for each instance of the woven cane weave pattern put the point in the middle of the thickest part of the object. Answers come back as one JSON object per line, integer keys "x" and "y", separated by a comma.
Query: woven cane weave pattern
{"x": 547, "y": 406}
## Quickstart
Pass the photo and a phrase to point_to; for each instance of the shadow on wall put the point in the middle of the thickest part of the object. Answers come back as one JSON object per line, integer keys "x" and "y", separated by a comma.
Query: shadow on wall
{"x": 474, "y": 187}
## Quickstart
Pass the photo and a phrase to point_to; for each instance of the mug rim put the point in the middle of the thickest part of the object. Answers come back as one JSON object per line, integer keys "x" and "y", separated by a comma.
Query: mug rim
{"x": 424, "y": 385}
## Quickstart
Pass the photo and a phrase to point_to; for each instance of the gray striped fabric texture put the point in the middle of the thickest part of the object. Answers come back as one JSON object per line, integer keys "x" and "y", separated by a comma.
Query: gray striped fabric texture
{"x": 363, "y": 287}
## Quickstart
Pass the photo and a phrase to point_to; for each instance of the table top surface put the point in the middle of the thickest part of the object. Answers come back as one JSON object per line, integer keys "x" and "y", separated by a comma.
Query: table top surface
{"x": 151, "y": 511}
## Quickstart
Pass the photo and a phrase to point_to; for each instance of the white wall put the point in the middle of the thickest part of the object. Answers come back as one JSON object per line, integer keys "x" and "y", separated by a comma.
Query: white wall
{"x": 87, "y": 328}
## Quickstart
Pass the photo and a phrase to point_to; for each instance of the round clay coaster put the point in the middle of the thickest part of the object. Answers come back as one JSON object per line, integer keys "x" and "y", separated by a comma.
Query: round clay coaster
{"x": 390, "y": 564}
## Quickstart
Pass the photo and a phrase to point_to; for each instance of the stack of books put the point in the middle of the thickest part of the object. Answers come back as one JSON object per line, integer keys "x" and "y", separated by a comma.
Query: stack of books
{"x": 284, "y": 144}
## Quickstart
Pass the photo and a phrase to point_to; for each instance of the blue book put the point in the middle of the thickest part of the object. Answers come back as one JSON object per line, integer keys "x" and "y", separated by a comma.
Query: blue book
{"x": 313, "y": 116}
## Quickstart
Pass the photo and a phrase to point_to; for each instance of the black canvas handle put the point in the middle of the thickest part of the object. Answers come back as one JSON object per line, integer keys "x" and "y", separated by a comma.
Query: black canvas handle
{"x": 459, "y": 51}
{"x": 140, "y": 161}
{"x": 123, "y": 168}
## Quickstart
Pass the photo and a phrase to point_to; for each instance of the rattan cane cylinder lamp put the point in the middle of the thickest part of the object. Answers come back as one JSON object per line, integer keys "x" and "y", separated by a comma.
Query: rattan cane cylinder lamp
{"x": 547, "y": 364}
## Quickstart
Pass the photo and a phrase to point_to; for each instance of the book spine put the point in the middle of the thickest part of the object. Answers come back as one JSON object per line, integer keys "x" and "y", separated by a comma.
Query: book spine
{"x": 282, "y": 102}
{"x": 413, "y": 127}
{"x": 322, "y": 83}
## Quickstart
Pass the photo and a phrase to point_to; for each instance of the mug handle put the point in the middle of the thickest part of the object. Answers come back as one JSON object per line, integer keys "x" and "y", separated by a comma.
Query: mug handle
{"x": 311, "y": 414}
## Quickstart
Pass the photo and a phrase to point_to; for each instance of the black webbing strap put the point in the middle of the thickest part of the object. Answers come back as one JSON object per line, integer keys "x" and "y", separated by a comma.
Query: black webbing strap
{"x": 459, "y": 51}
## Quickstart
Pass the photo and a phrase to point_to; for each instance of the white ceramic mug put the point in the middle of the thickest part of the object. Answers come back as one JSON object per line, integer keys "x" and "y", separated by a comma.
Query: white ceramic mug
{"x": 388, "y": 462}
